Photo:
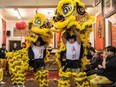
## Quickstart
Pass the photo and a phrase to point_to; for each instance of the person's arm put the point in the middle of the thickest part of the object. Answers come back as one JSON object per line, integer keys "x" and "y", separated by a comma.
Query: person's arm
{"x": 64, "y": 37}
{"x": 78, "y": 39}
{"x": 31, "y": 44}
{"x": 45, "y": 46}
{"x": 104, "y": 63}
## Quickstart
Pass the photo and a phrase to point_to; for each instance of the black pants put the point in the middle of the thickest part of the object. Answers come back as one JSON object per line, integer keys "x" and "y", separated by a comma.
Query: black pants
{"x": 31, "y": 63}
{"x": 38, "y": 63}
{"x": 98, "y": 72}
{"x": 72, "y": 64}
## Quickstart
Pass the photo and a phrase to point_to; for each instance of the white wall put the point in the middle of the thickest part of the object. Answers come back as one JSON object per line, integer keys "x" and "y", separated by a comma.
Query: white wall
{"x": 0, "y": 31}
{"x": 9, "y": 26}
{"x": 107, "y": 33}
{"x": 91, "y": 38}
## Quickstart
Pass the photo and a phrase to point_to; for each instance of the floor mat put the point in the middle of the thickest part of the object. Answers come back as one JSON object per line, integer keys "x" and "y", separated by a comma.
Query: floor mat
{"x": 52, "y": 75}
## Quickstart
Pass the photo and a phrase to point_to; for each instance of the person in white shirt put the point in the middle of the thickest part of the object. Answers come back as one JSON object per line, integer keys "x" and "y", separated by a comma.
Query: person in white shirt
{"x": 39, "y": 49}
{"x": 73, "y": 50}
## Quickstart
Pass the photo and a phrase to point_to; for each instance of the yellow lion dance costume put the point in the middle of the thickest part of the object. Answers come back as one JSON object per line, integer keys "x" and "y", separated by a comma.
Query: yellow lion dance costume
{"x": 18, "y": 61}
{"x": 68, "y": 14}
{"x": 40, "y": 27}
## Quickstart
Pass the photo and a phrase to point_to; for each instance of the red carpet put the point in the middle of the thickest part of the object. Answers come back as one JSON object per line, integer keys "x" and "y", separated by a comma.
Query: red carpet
{"x": 52, "y": 75}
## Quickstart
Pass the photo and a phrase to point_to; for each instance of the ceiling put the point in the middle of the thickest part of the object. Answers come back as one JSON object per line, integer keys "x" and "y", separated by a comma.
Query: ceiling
{"x": 27, "y": 8}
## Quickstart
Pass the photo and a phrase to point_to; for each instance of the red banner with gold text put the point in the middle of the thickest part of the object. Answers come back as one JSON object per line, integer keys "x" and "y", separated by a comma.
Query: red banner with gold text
{"x": 99, "y": 33}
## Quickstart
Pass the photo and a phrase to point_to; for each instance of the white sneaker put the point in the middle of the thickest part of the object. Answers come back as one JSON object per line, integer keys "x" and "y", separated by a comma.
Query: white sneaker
{"x": 2, "y": 83}
{"x": 20, "y": 86}
{"x": 14, "y": 86}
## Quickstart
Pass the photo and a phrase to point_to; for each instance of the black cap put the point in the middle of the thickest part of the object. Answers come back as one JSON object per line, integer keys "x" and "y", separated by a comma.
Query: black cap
{"x": 3, "y": 44}
{"x": 71, "y": 37}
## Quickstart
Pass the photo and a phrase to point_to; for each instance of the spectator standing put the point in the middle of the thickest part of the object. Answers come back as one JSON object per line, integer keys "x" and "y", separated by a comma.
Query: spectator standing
{"x": 2, "y": 62}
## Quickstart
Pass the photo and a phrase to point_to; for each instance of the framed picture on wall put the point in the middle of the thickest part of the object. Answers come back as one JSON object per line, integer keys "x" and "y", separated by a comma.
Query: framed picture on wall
{"x": 11, "y": 42}
{"x": 96, "y": 2}
{"x": 108, "y": 8}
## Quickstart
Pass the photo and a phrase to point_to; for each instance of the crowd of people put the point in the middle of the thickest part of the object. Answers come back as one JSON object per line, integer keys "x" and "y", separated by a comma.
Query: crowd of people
{"x": 102, "y": 67}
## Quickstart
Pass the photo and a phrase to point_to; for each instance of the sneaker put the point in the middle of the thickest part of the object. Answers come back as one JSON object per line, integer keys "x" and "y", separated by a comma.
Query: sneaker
{"x": 20, "y": 86}
{"x": 2, "y": 83}
{"x": 14, "y": 86}
{"x": 31, "y": 79}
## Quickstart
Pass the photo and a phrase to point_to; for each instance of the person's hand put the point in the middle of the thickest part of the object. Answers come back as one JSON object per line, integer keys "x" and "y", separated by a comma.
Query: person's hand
{"x": 104, "y": 55}
{"x": 100, "y": 66}
{"x": 31, "y": 43}
{"x": 96, "y": 68}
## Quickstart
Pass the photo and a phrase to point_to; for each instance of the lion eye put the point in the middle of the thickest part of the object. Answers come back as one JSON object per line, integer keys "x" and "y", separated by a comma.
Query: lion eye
{"x": 66, "y": 8}
{"x": 33, "y": 35}
{"x": 37, "y": 21}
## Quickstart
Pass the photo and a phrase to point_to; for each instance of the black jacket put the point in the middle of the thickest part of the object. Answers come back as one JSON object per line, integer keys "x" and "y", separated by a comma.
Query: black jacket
{"x": 2, "y": 53}
{"x": 30, "y": 53}
{"x": 95, "y": 62}
{"x": 110, "y": 71}
{"x": 89, "y": 56}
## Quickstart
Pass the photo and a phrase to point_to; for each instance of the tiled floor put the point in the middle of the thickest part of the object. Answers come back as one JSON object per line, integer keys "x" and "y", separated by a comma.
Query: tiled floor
{"x": 33, "y": 83}
{"x": 28, "y": 83}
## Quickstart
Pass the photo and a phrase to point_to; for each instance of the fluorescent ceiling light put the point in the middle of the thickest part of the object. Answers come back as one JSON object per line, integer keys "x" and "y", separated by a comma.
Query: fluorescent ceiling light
{"x": 17, "y": 13}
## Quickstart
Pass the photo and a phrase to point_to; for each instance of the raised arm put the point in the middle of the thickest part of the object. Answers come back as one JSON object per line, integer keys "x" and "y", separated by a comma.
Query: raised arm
{"x": 64, "y": 38}
{"x": 31, "y": 44}
{"x": 103, "y": 62}
{"x": 78, "y": 39}
{"x": 45, "y": 46}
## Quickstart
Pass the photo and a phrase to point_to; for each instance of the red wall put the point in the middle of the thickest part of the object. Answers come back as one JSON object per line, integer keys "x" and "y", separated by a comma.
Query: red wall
{"x": 113, "y": 28}
{"x": 4, "y": 31}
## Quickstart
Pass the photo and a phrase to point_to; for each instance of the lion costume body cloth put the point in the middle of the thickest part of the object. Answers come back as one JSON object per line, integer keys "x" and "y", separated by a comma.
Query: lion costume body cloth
{"x": 68, "y": 14}
{"x": 18, "y": 61}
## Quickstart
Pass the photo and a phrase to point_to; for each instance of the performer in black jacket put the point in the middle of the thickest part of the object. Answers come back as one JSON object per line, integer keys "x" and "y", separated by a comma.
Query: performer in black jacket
{"x": 3, "y": 51}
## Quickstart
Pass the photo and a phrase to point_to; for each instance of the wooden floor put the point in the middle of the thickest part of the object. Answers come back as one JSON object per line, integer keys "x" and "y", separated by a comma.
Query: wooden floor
{"x": 29, "y": 83}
